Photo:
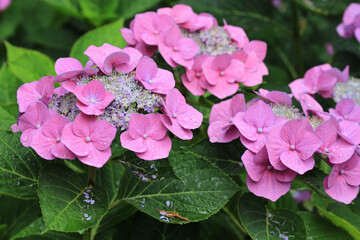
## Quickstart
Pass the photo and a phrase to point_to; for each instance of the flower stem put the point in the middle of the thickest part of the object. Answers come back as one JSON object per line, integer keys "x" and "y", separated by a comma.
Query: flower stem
{"x": 234, "y": 220}
{"x": 91, "y": 176}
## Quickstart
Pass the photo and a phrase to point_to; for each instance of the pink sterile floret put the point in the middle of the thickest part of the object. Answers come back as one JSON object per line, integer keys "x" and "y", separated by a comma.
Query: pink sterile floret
{"x": 47, "y": 141}
{"x": 176, "y": 49}
{"x": 149, "y": 26}
{"x": 346, "y": 110}
{"x": 237, "y": 34}
{"x": 343, "y": 182}
{"x": 336, "y": 148}
{"x": 263, "y": 179}
{"x": 221, "y": 73}
{"x": 180, "y": 117}
{"x": 89, "y": 139}
{"x": 146, "y": 137}
{"x": 30, "y": 122}
{"x": 222, "y": 128}
{"x": 4, "y": 4}
{"x": 69, "y": 69}
{"x": 351, "y": 22}
{"x": 92, "y": 97}
{"x": 275, "y": 96}
{"x": 152, "y": 78}
{"x": 109, "y": 58}
{"x": 309, "y": 104}
{"x": 350, "y": 131}
{"x": 194, "y": 79}
{"x": 255, "y": 125}
{"x": 292, "y": 146}
{"x": 38, "y": 91}
{"x": 181, "y": 13}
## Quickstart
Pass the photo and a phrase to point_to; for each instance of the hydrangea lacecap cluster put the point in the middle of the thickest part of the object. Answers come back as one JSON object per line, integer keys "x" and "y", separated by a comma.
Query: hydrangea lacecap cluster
{"x": 118, "y": 89}
{"x": 216, "y": 58}
{"x": 281, "y": 141}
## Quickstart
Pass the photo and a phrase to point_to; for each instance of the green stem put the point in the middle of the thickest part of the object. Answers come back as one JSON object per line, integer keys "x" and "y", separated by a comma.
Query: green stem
{"x": 91, "y": 176}
{"x": 234, "y": 220}
{"x": 297, "y": 39}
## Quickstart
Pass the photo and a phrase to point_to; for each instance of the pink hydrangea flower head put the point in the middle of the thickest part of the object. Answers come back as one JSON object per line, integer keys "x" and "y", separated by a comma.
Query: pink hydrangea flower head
{"x": 32, "y": 120}
{"x": 346, "y": 110}
{"x": 221, "y": 73}
{"x": 38, "y": 91}
{"x": 69, "y": 69}
{"x": 89, "y": 139}
{"x": 149, "y": 26}
{"x": 222, "y": 128}
{"x": 4, "y": 4}
{"x": 152, "y": 78}
{"x": 194, "y": 79}
{"x": 129, "y": 37}
{"x": 337, "y": 149}
{"x": 146, "y": 137}
{"x": 255, "y": 125}
{"x": 237, "y": 34}
{"x": 343, "y": 182}
{"x": 92, "y": 98}
{"x": 263, "y": 179}
{"x": 276, "y": 97}
{"x": 180, "y": 117}
{"x": 292, "y": 146}
{"x": 176, "y": 49}
{"x": 47, "y": 141}
{"x": 351, "y": 22}
{"x": 181, "y": 13}
{"x": 319, "y": 81}
{"x": 109, "y": 58}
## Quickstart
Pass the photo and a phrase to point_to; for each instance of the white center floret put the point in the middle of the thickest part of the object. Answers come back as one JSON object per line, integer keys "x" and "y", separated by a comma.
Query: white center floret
{"x": 145, "y": 136}
{"x": 37, "y": 126}
{"x": 260, "y": 130}
{"x": 269, "y": 167}
{"x": 174, "y": 115}
{"x": 39, "y": 97}
{"x": 222, "y": 73}
{"x": 88, "y": 139}
{"x": 93, "y": 100}
{"x": 57, "y": 139}
{"x": 292, "y": 147}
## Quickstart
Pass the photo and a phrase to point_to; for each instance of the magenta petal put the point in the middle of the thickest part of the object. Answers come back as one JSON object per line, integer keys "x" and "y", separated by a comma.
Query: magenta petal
{"x": 95, "y": 158}
{"x": 221, "y": 131}
{"x": 157, "y": 149}
{"x": 341, "y": 191}
{"x": 102, "y": 134}
{"x": 135, "y": 145}
{"x": 292, "y": 160}
{"x": 255, "y": 171}
{"x": 63, "y": 65}
{"x": 60, "y": 151}
{"x": 268, "y": 187}
{"x": 146, "y": 69}
{"x": 114, "y": 60}
{"x": 76, "y": 144}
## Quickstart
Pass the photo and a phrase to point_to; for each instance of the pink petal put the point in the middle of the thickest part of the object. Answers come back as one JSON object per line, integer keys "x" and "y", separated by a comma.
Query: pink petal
{"x": 157, "y": 130}
{"x": 292, "y": 160}
{"x": 181, "y": 13}
{"x": 34, "y": 117}
{"x": 60, "y": 151}
{"x": 293, "y": 129}
{"x": 96, "y": 158}
{"x": 162, "y": 83}
{"x": 341, "y": 151}
{"x": 307, "y": 144}
{"x": 345, "y": 106}
{"x": 193, "y": 86}
{"x": 221, "y": 62}
{"x": 237, "y": 104}
{"x": 188, "y": 48}
{"x": 285, "y": 176}
{"x": 90, "y": 109}
{"x": 135, "y": 56}
{"x": 268, "y": 187}
{"x": 190, "y": 119}
{"x": 102, "y": 134}
{"x": 27, "y": 136}
{"x": 234, "y": 71}
{"x": 259, "y": 47}
{"x": 298, "y": 87}
{"x": 45, "y": 88}
{"x": 350, "y": 131}
{"x": 175, "y": 101}
{"x": 128, "y": 36}
{"x": 246, "y": 130}
{"x": 94, "y": 89}
{"x": 222, "y": 131}
{"x": 255, "y": 171}
{"x": 138, "y": 125}
{"x": 255, "y": 145}
{"x": 74, "y": 143}
{"x": 135, "y": 145}
{"x": 238, "y": 35}
{"x": 223, "y": 88}
{"x": 82, "y": 125}
{"x": 42, "y": 145}
{"x": 176, "y": 129}
{"x": 259, "y": 115}
{"x": 63, "y": 65}
{"x": 157, "y": 149}
{"x": 27, "y": 94}
{"x": 114, "y": 61}
{"x": 341, "y": 191}
{"x": 327, "y": 132}
{"x": 146, "y": 69}
{"x": 173, "y": 36}
{"x": 352, "y": 174}
{"x": 166, "y": 53}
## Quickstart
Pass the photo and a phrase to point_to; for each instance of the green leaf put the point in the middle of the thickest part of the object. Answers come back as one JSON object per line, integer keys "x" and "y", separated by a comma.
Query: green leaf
{"x": 262, "y": 223}
{"x": 98, "y": 11}
{"x": 127, "y": 9}
{"x": 109, "y": 33}
{"x": 329, "y": 7}
{"x": 201, "y": 190}
{"x": 28, "y": 65}
{"x": 19, "y": 167}
{"x": 69, "y": 7}
{"x": 6, "y": 119}
{"x": 9, "y": 85}
{"x": 226, "y": 156}
{"x": 16, "y": 215}
{"x": 339, "y": 214}
{"x": 63, "y": 200}
{"x": 319, "y": 228}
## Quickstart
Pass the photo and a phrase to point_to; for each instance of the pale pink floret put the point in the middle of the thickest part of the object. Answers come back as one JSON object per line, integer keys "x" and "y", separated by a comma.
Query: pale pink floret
{"x": 337, "y": 149}
{"x": 30, "y": 122}
{"x": 109, "y": 58}
{"x": 343, "y": 182}
{"x": 255, "y": 125}
{"x": 346, "y": 110}
{"x": 221, "y": 122}
{"x": 4, "y": 4}
{"x": 201, "y": 22}
{"x": 237, "y": 34}
{"x": 70, "y": 69}
{"x": 263, "y": 179}
{"x": 181, "y": 13}
{"x": 89, "y": 139}
{"x": 221, "y": 73}
{"x": 92, "y": 97}
{"x": 180, "y": 117}
{"x": 292, "y": 146}
{"x": 351, "y": 22}
{"x": 149, "y": 26}
{"x": 152, "y": 78}
{"x": 276, "y": 97}
{"x": 38, "y": 91}
{"x": 47, "y": 141}
{"x": 146, "y": 137}
{"x": 146, "y": 50}
{"x": 194, "y": 79}
{"x": 176, "y": 49}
